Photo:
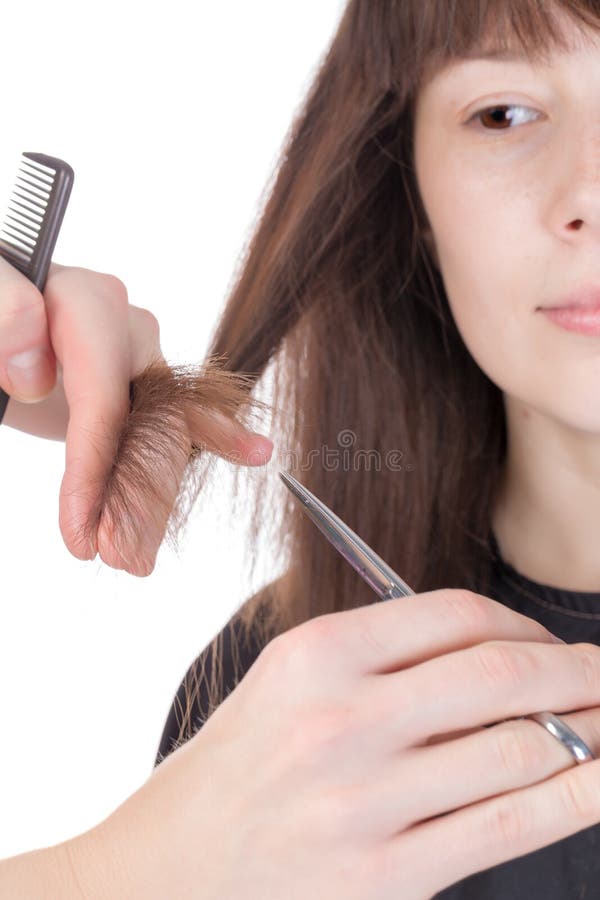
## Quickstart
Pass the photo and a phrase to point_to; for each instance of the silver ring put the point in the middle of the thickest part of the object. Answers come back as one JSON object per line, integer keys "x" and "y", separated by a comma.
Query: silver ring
{"x": 578, "y": 749}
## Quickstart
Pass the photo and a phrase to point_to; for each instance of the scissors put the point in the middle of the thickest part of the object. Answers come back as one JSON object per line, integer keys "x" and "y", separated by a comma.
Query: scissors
{"x": 387, "y": 585}
{"x": 367, "y": 563}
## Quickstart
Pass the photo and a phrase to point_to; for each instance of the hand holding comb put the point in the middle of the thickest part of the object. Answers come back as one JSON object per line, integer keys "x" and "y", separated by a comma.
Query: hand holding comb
{"x": 32, "y": 223}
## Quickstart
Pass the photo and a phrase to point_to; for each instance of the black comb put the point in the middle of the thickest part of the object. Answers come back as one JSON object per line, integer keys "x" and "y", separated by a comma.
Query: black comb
{"x": 28, "y": 237}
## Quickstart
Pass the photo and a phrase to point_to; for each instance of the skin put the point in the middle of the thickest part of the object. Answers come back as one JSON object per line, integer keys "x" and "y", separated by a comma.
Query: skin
{"x": 514, "y": 214}
{"x": 321, "y": 812}
{"x": 95, "y": 343}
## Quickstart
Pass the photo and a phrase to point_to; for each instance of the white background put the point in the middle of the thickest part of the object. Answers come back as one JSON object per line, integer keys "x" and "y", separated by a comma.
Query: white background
{"x": 172, "y": 117}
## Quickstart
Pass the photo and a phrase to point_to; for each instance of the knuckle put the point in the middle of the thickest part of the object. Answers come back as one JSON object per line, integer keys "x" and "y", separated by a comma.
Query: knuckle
{"x": 501, "y": 663}
{"x": 112, "y": 288}
{"x": 520, "y": 751}
{"x": 273, "y": 650}
{"x": 323, "y": 624}
{"x": 318, "y": 633}
{"x": 507, "y": 821}
{"x": 150, "y": 321}
{"x": 298, "y": 645}
{"x": 473, "y": 610}
{"x": 590, "y": 664}
{"x": 147, "y": 326}
{"x": 298, "y": 653}
{"x": 580, "y": 803}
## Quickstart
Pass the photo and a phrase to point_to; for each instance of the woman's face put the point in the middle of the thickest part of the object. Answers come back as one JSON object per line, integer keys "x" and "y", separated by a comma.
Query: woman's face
{"x": 504, "y": 195}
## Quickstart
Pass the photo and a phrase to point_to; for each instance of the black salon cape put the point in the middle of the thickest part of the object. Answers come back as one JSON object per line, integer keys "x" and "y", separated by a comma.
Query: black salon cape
{"x": 568, "y": 869}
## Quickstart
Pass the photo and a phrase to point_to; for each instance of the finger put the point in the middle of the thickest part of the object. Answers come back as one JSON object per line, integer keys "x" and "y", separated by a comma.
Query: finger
{"x": 27, "y": 361}
{"x": 511, "y": 755}
{"x": 219, "y": 432}
{"x": 231, "y": 440}
{"x": 212, "y": 430}
{"x": 131, "y": 541}
{"x": 144, "y": 336}
{"x": 406, "y": 631}
{"x": 139, "y": 556}
{"x": 134, "y": 550}
{"x": 88, "y": 318}
{"x": 486, "y": 683}
{"x": 495, "y": 830}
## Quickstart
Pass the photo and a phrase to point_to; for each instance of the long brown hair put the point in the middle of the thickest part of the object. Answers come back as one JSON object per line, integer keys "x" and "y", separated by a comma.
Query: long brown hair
{"x": 378, "y": 406}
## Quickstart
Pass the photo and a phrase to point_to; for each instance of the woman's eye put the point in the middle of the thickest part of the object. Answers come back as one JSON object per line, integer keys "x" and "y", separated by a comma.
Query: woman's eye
{"x": 499, "y": 118}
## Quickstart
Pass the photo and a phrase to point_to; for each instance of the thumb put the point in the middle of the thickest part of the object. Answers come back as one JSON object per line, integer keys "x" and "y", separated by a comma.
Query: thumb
{"x": 27, "y": 361}
{"x": 233, "y": 441}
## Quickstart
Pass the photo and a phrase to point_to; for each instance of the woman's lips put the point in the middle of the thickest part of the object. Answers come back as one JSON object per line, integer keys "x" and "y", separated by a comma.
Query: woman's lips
{"x": 582, "y": 319}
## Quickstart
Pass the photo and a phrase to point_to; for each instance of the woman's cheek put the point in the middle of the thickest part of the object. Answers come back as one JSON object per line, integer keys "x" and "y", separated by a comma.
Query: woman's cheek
{"x": 488, "y": 335}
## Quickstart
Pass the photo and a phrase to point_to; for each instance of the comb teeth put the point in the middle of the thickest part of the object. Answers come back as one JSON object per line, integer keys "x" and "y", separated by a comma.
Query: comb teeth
{"x": 30, "y": 204}
{"x": 31, "y": 225}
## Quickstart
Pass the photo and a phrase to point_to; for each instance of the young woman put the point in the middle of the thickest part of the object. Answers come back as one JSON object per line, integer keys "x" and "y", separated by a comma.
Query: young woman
{"x": 433, "y": 200}
{"x": 439, "y": 190}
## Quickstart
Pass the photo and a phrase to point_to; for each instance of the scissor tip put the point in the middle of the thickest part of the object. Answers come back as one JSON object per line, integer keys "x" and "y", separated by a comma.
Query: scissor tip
{"x": 294, "y": 486}
{"x": 285, "y": 476}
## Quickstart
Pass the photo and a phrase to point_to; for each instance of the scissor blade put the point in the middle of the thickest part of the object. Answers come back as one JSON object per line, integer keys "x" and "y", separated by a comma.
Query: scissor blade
{"x": 371, "y": 567}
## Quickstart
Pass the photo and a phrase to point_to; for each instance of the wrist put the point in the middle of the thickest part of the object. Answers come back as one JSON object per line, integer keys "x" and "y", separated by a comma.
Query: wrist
{"x": 96, "y": 866}
{"x": 46, "y": 872}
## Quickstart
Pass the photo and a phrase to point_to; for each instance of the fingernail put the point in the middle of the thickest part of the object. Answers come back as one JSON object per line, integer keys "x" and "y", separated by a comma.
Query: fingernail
{"x": 557, "y": 640}
{"x": 25, "y": 371}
